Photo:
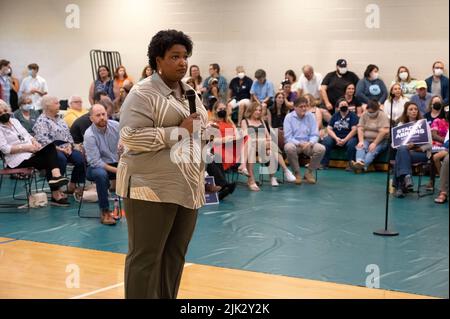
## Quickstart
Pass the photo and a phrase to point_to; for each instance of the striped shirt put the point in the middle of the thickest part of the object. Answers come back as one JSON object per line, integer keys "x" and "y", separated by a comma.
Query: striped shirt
{"x": 152, "y": 166}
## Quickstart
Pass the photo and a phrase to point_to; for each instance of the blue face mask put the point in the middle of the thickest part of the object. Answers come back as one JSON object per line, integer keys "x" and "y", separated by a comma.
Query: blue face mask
{"x": 27, "y": 107}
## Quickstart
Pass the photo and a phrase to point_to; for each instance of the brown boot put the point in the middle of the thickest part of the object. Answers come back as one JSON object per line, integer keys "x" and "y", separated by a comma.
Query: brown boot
{"x": 298, "y": 179}
{"x": 107, "y": 218}
{"x": 309, "y": 177}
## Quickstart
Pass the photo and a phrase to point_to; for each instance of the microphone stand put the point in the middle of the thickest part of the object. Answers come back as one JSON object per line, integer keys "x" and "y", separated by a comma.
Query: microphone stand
{"x": 386, "y": 231}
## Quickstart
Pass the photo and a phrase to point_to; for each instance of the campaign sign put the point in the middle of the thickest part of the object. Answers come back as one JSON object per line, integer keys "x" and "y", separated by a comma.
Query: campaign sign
{"x": 211, "y": 198}
{"x": 411, "y": 133}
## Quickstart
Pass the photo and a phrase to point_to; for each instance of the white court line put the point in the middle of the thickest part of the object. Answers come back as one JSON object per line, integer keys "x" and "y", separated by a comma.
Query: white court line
{"x": 110, "y": 287}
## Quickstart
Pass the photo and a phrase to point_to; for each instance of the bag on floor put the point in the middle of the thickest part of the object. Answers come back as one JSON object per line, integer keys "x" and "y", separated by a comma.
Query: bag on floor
{"x": 38, "y": 200}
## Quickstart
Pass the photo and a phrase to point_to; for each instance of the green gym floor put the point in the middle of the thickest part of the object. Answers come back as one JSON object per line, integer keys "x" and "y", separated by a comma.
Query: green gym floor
{"x": 321, "y": 232}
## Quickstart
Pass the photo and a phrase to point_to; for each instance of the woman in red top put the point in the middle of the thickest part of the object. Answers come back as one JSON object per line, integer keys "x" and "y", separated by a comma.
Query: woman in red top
{"x": 231, "y": 140}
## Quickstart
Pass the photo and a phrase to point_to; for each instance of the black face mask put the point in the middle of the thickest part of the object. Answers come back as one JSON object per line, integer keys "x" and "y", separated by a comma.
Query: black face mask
{"x": 222, "y": 114}
{"x": 437, "y": 106}
{"x": 344, "y": 109}
{"x": 4, "y": 118}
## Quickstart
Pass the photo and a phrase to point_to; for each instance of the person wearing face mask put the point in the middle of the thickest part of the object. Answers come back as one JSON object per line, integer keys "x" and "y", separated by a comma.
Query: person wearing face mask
{"x": 342, "y": 130}
{"x": 435, "y": 110}
{"x": 371, "y": 87}
{"x": 20, "y": 150}
{"x": 438, "y": 83}
{"x": 407, "y": 83}
{"x": 239, "y": 94}
{"x": 34, "y": 86}
{"x": 333, "y": 86}
{"x": 26, "y": 115}
{"x": 373, "y": 130}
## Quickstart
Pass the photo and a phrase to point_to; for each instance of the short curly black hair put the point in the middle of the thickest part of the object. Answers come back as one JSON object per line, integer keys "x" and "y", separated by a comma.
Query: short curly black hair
{"x": 163, "y": 41}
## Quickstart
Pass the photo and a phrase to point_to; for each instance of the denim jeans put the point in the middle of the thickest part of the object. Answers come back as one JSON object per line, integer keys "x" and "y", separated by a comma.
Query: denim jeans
{"x": 363, "y": 154}
{"x": 76, "y": 158}
{"x": 101, "y": 178}
{"x": 330, "y": 143}
{"x": 403, "y": 161}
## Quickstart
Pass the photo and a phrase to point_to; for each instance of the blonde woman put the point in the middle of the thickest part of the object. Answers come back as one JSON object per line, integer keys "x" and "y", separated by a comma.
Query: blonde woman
{"x": 258, "y": 132}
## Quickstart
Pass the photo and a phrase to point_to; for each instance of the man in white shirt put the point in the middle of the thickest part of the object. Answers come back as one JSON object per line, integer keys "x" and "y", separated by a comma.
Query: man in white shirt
{"x": 309, "y": 82}
{"x": 34, "y": 86}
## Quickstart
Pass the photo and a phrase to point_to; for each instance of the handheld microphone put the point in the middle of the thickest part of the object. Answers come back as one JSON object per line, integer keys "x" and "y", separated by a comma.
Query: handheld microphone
{"x": 191, "y": 95}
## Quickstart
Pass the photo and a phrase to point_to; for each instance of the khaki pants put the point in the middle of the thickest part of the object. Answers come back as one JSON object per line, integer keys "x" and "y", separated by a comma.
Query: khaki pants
{"x": 158, "y": 239}
{"x": 316, "y": 152}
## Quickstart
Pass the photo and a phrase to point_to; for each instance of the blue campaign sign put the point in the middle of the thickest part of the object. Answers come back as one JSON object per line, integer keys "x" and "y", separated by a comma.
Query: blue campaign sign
{"x": 211, "y": 198}
{"x": 411, "y": 133}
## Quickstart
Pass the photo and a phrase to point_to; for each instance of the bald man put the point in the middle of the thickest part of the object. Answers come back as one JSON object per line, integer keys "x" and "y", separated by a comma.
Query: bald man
{"x": 101, "y": 144}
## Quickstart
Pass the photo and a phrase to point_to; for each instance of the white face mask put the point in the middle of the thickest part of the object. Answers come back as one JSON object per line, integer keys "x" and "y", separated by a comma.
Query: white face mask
{"x": 342, "y": 70}
{"x": 438, "y": 72}
{"x": 241, "y": 75}
{"x": 403, "y": 76}
{"x": 30, "y": 72}
{"x": 373, "y": 114}
{"x": 374, "y": 76}
{"x": 27, "y": 107}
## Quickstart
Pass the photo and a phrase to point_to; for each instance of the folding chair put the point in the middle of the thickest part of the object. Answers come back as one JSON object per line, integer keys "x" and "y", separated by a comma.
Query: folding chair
{"x": 27, "y": 175}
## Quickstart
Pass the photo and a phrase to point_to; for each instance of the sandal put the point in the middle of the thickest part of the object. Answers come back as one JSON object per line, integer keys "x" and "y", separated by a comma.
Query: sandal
{"x": 243, "y": 171}
{"x": 441, "y": 199}
{"x": 253, "y": 187}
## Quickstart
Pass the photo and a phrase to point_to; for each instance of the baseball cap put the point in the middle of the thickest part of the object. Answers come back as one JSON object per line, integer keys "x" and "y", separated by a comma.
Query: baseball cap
{"x": 212, "y": 80}
{"x": 341, "y": 63}
{"x": 421, "y": 85}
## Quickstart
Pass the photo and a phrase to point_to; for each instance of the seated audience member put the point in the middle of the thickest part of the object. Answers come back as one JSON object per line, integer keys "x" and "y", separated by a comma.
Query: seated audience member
{"x": 289, "y": 95}
{"x": 259, "y": 137}
{"x": 443, "y": 174}
{"x": 407, "y": 84}
{"x": 354, "y": 105}
{"x": 262, "y": 91}
{"x": 51, "y": 128}
{"x": 101, "y": 142}
{"x": 301, "y": 136}
{"x": 21, "y": 150}
{"x": 342, "y": 130}
{"x": 435, "y": 110}
{"x": 34, "y": 86}
{"x": 278, "y": 111}
{"x": 26, "y": 115}
{"x": 82, "y": 123}
{"x": 396, "y": 100}
{"x": 103, "y": 83}
{"x": 333, "y": 86}
{"x": 373, "y": 130}
{"x": 194, "y": 73}
{"x": 438, "y": 83}
{"x": 309, "y": 82}
{"x": 228, "y": 149}
{"x": 239, "y": 93}
{"x": 409, "y": 154}
{"x": 315, "y": 110}
{"x": 117, "y": 103}
{"x": 439, "y": 131}
{"x": 213, "y": 91}
{"x": 422, "y": 98}
{"x": 370, "y": 87}
{"x": 75, "y": 110}
{"x": 214, "y": 72}
{"x": 120, "y": 76}
{"x": 5, "y": 81}
{"x": 146, "y": 72}
{"x": 291, "y": 77}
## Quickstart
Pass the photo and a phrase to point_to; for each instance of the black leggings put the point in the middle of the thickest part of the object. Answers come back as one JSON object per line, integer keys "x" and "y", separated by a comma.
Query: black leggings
{"x": 46, "y": 158}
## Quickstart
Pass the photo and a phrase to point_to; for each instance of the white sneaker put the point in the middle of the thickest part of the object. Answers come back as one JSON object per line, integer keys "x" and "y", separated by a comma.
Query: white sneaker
{"x": 274, "y": 182}
{"x": 289, "y": 176}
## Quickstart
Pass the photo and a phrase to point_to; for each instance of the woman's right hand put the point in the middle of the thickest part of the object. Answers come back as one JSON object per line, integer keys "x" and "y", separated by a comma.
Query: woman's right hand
{"x": 188, "y": 123}
{"x": 360, "y": 145}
